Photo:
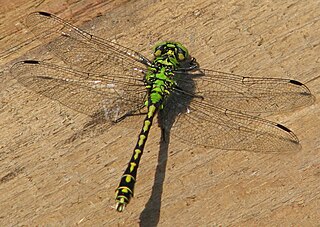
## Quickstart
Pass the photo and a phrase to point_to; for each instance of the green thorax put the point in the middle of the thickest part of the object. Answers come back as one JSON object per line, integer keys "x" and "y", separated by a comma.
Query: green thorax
{"x": 160, "y": 76}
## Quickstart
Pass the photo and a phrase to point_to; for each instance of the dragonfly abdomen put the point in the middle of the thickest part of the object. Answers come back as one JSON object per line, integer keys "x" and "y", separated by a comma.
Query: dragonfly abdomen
{"x": 125, "y": 190}
{"x": 158, "y": 85}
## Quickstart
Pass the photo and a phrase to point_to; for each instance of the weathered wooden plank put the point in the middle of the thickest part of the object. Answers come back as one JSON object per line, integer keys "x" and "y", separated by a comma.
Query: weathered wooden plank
{"x": 45, "y": 182}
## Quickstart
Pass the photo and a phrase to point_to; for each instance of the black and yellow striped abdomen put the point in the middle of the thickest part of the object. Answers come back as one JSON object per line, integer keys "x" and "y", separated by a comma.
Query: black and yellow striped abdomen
{"x": 125, "y": 189}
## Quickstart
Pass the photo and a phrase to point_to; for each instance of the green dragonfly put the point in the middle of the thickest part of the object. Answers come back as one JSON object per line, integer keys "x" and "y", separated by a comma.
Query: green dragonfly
{"x": 200, "y": 106}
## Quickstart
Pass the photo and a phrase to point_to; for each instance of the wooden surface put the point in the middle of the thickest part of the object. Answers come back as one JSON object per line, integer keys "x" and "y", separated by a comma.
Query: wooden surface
{"x": 46, "y": 181}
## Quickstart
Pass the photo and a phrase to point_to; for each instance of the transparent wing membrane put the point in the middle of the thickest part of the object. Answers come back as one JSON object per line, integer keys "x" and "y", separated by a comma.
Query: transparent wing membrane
{"x": 79, "y": 49}
{"x": 252, "y": 95}
{"x": 87, "y": 93}
{"x": 211, "y": 126}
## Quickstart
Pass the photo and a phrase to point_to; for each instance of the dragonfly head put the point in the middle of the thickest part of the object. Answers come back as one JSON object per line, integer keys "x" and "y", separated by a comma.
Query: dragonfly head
{"x": 173, "y": 50}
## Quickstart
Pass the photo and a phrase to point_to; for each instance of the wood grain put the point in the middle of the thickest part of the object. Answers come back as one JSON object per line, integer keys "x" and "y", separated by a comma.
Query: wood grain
{"x": 44, "y": 180}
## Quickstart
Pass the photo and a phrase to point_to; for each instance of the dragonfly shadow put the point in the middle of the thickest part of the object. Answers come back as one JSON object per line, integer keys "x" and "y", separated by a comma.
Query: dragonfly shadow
{"x": 95, "y": 126}
{"x": 98, "y": 124}
{"x": 151, "y": 214}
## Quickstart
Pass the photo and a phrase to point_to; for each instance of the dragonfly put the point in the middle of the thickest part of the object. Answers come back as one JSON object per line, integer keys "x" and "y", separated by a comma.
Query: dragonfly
{"x": 200, "y": 106}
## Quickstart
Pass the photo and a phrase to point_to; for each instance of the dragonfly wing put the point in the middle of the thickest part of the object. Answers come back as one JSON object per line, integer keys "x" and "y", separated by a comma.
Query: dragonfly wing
{"x": 195, "y": 121}
{"x": 84, "y": 92}
{"x": 251, "y": 95}
{"x": 79, "y": 49}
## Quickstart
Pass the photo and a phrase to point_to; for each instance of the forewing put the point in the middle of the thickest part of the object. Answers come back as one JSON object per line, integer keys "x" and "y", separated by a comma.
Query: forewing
{"x": 79, "y": 49}
{"x": 251, "y": 95}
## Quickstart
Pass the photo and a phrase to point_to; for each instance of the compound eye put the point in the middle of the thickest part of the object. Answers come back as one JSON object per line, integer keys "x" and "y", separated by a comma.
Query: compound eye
{"x": 181, "y": 56}
{"x": 157, "y": 53}
{"x": 159, "y": 50}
